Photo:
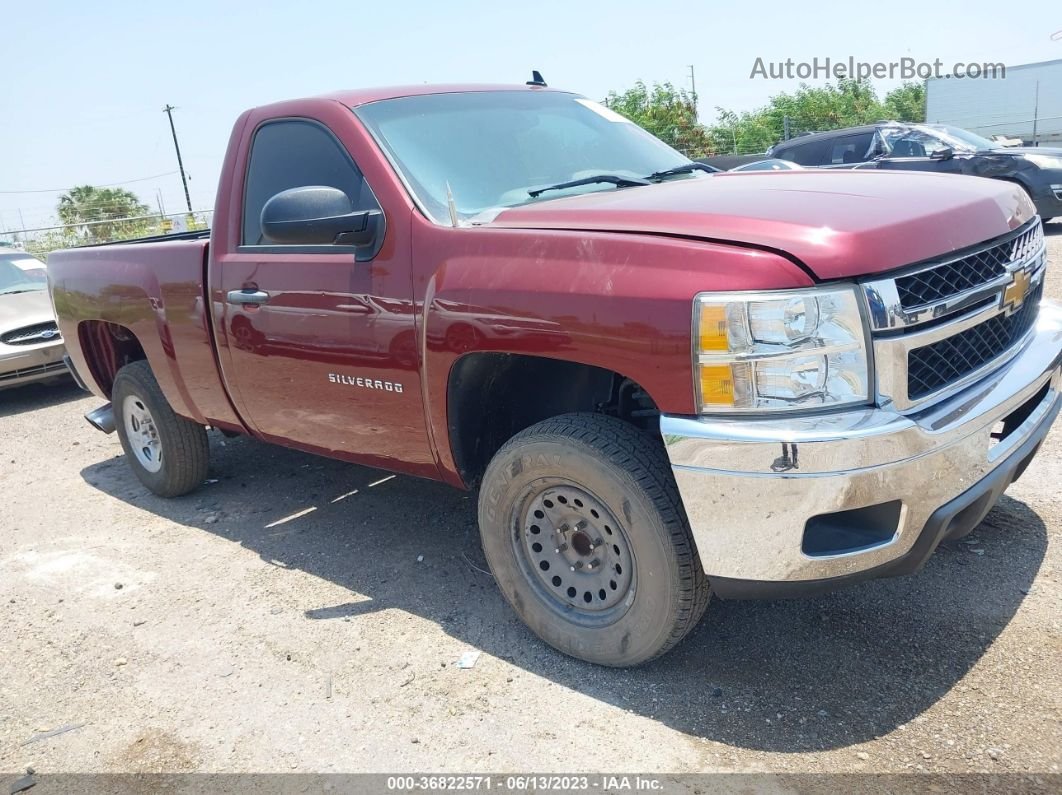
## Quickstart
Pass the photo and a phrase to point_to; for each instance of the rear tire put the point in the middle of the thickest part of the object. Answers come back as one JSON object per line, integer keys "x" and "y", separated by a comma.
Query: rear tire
{"x": 584, "y": 530}
{"x": 168, "y": 454}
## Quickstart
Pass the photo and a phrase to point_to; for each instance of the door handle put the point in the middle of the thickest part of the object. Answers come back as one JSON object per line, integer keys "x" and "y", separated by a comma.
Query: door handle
{"x": 248, "y": 296}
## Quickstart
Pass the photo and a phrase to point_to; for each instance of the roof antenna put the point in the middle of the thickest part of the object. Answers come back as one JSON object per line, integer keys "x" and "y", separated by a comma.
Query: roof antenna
{"x": 450, "y": 205}
{"x": 536, "y": 79}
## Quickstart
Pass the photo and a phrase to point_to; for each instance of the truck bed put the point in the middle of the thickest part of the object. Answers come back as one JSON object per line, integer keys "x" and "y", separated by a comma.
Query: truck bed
{"x": 154, "y": 288}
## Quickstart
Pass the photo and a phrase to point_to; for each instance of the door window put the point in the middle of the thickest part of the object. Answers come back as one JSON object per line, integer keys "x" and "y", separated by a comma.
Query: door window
{"x": 851, "y": 149}
{"x": 295, "y": 153}
{"x": 916, "y": 143}
{"x": 812, "y": 153}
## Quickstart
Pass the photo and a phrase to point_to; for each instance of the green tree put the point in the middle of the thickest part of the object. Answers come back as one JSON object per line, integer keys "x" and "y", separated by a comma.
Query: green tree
{"x": 809, "y": 109}
{"x": 671, "y": 114}
{"x": 84, "y": 208}
{"x": 667, "y": 112}
{"x": 906, "y": 103}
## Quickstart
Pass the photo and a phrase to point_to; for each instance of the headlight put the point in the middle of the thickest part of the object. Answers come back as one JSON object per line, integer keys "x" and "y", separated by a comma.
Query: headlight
{"x": 790, "y": 349}
{"x": 1045, "y": 161}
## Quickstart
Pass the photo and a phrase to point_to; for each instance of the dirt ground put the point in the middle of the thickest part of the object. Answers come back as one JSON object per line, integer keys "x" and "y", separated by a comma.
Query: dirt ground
{"x": 298, "y": 614}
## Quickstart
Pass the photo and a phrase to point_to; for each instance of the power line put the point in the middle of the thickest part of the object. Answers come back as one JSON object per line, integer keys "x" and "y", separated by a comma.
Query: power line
{"x": 104, "y": 185}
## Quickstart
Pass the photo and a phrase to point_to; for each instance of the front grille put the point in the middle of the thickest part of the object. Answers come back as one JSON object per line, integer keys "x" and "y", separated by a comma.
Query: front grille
{"x": 948, "y": 360}
{"x": 31, "y": 335}
{"x": 950, "y": 278}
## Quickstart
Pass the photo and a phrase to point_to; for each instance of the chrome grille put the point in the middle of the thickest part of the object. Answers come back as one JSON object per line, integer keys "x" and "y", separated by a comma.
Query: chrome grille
{"x": 949, "y": 360}
{"x": 32, "y": 335}
{"x": 937, "y": 326}
{"x": 956, "y": 276}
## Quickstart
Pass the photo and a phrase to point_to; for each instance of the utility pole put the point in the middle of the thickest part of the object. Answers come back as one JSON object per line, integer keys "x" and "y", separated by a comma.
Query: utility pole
{"x": 180, "y": 164}
{"x": 1036, "y": 112}
{"x": 693, "y": 90}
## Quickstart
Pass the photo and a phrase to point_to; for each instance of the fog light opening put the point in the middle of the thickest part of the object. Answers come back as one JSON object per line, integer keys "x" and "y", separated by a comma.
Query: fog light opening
{"x": 857, "y": 530}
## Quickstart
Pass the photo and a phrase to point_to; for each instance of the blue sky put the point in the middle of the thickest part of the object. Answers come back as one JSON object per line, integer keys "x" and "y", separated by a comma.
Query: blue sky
{"x": 85, "y": 83}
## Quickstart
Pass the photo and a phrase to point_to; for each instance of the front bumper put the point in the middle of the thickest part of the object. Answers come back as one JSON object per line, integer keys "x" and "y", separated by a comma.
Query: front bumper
{"x": 1047, "y": 196}
{"x": 25, "y": 365}
{"x": 786, "y": 506}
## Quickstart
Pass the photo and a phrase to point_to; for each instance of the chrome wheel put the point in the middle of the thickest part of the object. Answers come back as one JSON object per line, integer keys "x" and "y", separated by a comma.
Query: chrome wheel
{"x": 142, "y": 434}
{"x": 576, "y": 550}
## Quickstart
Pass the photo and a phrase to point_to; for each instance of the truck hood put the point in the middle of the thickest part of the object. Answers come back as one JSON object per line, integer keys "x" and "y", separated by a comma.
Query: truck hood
{"x": 839, "y": 224}
{"x": 24, "y": 309}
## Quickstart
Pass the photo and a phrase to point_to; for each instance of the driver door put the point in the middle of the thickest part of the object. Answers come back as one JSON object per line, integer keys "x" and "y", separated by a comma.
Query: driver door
{"x": 317, "y": 341}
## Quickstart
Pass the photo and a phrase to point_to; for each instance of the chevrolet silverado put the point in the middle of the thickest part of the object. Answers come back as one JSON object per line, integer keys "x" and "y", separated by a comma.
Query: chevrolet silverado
{"x": 664, "y": 383}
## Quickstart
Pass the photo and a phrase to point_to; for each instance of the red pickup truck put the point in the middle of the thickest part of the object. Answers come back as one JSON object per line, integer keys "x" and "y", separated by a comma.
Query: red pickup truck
{"x": 663, "y": 382}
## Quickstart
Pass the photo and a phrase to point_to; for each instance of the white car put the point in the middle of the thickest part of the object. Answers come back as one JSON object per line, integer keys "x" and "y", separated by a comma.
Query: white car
{"x": 31, "y": 348}
{"x": 29, "y": 264}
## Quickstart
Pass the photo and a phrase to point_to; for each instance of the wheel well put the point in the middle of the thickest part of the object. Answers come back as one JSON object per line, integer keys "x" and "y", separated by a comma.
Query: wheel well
{"x": 108, "y": 347}
{"x": 493, "y": 396}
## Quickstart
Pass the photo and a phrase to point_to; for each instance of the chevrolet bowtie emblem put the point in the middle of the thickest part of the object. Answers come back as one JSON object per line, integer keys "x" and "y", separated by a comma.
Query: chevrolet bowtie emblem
{"x": 1016, "y": 291}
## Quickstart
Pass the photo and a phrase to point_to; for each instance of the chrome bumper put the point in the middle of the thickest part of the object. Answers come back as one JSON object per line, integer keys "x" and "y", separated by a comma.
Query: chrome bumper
{"x": 19, "y": 366}
{"x": 751, "y": 487}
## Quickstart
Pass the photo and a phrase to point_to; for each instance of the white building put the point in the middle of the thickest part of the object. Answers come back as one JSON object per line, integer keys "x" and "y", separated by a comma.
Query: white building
{"x": 1026, "y": 104}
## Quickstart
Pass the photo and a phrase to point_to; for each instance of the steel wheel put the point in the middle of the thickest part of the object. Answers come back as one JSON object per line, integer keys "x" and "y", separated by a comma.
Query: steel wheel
{"x": 142, "y": 433}
{"x": 583, "y": 529}
{"x": 576, "y": 551}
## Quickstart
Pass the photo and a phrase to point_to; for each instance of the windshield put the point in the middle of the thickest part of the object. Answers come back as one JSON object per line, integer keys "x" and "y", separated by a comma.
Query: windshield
{"x": 971, "y": 141}
{"x": 492, "y": 147}
{"x": 923, "y": 140}
{"x": 21, "y": 273}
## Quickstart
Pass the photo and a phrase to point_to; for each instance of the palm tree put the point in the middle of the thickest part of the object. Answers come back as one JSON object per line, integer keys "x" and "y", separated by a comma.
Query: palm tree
{"x": 85, "y": 206}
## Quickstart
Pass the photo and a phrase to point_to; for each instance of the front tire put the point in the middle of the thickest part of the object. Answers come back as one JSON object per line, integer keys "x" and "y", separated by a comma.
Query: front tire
{"x": 584, "y": 531}
{"x": 168, "y": 454}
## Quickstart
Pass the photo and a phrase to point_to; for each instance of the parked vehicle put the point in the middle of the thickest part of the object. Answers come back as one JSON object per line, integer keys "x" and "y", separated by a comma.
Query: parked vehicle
{"x": 663, "y": 383}
{"x": 30, "y": 346}
{"x": 30, "y": 265}
{"x": 769, "y": 164}
{"x": 729, "y": 162}
{"x": 939, "y": 148}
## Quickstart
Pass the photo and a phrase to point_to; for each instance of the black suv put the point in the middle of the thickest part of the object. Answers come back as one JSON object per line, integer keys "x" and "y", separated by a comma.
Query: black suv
{"x": 933, "y": 147}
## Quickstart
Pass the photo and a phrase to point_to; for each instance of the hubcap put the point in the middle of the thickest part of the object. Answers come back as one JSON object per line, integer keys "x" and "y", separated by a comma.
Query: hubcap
{"x": 142, "y": 434}
{"x": 576, "y": 549}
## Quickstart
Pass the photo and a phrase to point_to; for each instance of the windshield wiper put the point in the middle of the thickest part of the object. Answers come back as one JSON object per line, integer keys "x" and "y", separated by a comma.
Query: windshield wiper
{"x": 689, "y": 168}
{"x": 612, "y": 179}
{"x": 16, "y": 292}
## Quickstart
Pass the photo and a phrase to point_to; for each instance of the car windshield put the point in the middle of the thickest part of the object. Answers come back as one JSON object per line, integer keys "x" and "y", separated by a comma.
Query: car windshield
{"x": 21, "y": 274}
{"x": 923, "y": 140}
{"x": 971, "y": 141}
{"x": 491, "y": 148}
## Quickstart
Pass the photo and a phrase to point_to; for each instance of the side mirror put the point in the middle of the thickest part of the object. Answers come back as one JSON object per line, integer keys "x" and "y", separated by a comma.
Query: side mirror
{"x": 318, "y": 215}
{"x": 947, "y": 153}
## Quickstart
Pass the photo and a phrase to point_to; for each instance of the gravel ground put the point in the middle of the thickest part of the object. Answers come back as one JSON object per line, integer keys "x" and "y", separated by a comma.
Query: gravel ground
{"x": 298, "y": 614}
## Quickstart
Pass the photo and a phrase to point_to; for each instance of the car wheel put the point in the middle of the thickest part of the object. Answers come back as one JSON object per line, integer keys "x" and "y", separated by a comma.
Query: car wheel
{"x": 584, "y": 532}
{"x": 168, "y": 454}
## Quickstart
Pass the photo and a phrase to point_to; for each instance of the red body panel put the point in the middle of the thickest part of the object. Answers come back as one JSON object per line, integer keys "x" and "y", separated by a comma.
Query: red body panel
{"x": 156, "y": 291}
{"x": 839, "y": 223}
{"x": 604, "y": 279}
{"x": 617, "y": 301}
